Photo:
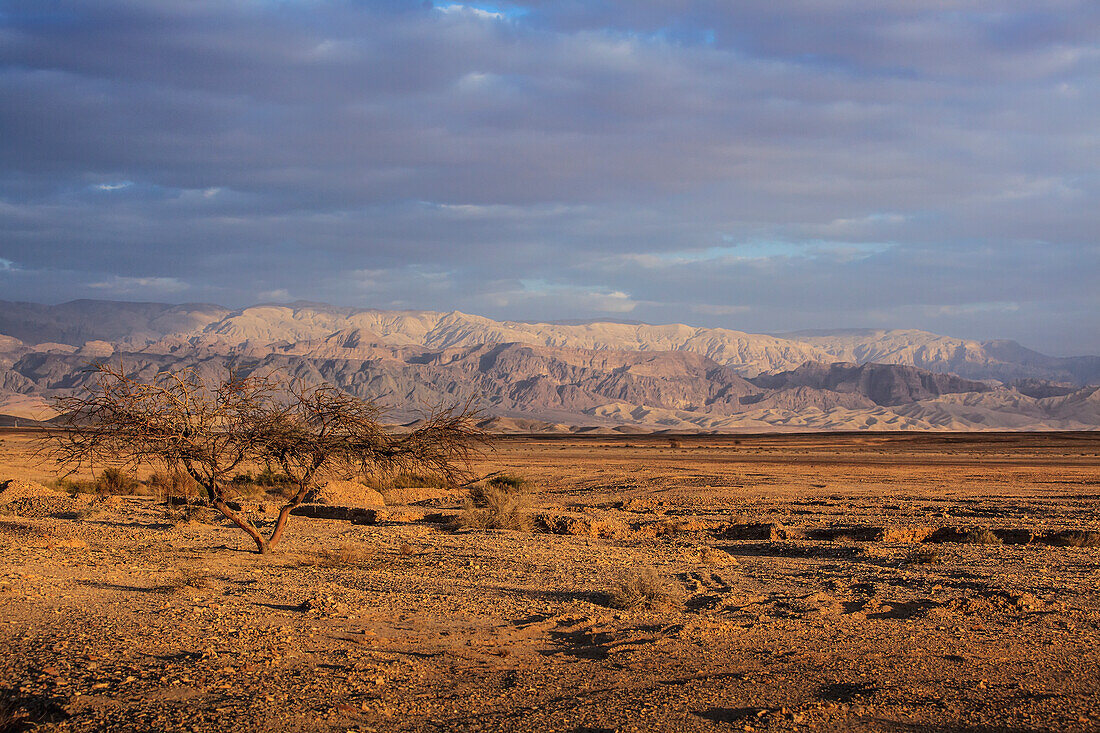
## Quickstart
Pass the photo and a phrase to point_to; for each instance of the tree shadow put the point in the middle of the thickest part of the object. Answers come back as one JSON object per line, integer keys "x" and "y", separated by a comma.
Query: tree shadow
{"x": 157, "y": 589}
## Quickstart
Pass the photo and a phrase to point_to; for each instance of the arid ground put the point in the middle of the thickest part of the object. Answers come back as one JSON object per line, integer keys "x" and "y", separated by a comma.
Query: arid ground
{"x": 888, "y": 582}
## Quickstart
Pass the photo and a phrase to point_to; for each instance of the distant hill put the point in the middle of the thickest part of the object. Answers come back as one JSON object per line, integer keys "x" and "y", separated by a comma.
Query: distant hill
{"x": 554, "y": 377}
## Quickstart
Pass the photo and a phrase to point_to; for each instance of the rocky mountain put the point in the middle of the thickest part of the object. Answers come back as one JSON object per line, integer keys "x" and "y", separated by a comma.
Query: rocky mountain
{"x": 163, "y": 328}
{"x": 609, "y": 375}
{"x": 517, "y": 384}
{"x": 1000, "y": 360}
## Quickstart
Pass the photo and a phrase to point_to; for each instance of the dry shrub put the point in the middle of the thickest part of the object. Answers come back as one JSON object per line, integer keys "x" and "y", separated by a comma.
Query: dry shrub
{"x": 675, "y": 443}
{"x": 347, "y": 554}
{"x": 109, "y": 481}
{"x": 982, "y": 536}
{"x": 925, "y": 556}
{"x": 187, "y": 578}
{"x": 118, "y": 482}
{"x": 172, "y": 485}
{"x": 189, "y": 514}
{"x": 1079, "y": 538}
{"x": 642, "y": 589}
{"x": 497, "y": 503}
{"x": 267, "y": 483}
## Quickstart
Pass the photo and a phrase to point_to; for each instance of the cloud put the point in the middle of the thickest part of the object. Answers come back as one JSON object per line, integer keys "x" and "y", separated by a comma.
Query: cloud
{"x": 138, "y": 285}
{"x": 709, "y": 159}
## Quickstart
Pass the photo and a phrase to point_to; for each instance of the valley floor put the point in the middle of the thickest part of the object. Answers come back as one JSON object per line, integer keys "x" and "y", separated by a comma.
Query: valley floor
{"x": 820, "y": 582}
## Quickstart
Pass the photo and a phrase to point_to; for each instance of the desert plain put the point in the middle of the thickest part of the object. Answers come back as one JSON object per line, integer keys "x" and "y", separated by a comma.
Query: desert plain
{"x": 859, "y": 582}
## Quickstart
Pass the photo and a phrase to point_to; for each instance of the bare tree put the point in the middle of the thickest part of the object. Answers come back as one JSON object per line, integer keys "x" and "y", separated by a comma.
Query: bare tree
{"x": 209, "y": 431}
{"x": 321, "y": 431}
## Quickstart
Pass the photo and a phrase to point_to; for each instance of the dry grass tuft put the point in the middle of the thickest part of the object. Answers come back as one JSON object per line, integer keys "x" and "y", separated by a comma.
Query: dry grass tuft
{"x": 188, "y": 578}
{"x": 982, "y": 536}
{"x": 110, "y": 481}
{"x": 190, "y": 514}
{"x": 12, "y": 718}
{"x": 1079, "y": 538}
{"x": 498, "y": 503}
{"x": 925, "y": 556}
{"x": 174, "y": 485}
{"x": 642, "y": 589}
{"x": 345, "y": 555}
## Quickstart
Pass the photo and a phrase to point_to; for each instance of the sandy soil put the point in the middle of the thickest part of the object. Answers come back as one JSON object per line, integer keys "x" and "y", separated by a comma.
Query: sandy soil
{"x": 806, "y": 598}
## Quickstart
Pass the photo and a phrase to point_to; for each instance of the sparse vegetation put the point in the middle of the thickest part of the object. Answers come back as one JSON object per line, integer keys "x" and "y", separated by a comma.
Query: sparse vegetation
{"x": 1079, "y": 538}
{"x": 346, "y": 554}
{"x": 210, "y": 431}
{"x": 188, "y": 514}
{"x": 187, "y": 578}
{"x": 111, "y": 480}
{"x": 173, "y": 485}
{"x": 499, "y": 502}
{"x": 642, "y": 589}
{"x": 982, "y": 536}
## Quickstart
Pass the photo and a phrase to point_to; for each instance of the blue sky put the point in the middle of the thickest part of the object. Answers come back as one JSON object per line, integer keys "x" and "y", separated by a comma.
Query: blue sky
{"x": 755, "y": 165}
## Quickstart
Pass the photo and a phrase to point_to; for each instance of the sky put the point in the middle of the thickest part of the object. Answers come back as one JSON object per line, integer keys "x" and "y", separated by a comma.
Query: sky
{"x": 758, "y": 165}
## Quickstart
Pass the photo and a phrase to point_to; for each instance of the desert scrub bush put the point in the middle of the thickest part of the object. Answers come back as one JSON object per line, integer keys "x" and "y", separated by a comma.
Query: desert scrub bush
{"x": 72, "y": 487}
{"x": 264, "y": 484}
{"x": 642, "y": 589}
{"x": 170, "y": 485}
{"x": 1078, "y": 538}
{"x": 982, "y": 536}
{"x": 109, "y": 481}
{"x": 189, "y": 514}
{"x": 344, "y": 555}
{"x": 925, "y": 556}
{"x": 499, "y": 502}
{"x": 186, "y": 578}
{"x": 119, "y": 482}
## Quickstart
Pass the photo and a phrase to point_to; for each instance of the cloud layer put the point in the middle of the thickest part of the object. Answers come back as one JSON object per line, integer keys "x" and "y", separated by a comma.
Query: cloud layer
{"x": 842, "y": 164}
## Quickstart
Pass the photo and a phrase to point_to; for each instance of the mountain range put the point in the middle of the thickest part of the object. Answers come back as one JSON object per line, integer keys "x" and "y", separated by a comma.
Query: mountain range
{"x": 558, "y": 377}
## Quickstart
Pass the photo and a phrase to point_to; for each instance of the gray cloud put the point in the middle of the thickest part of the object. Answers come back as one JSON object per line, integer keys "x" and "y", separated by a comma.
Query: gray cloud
{"x": 740, "y": 164}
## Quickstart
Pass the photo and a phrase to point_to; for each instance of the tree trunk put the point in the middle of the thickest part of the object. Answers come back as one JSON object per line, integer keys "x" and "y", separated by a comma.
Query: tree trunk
{"x": 262, "y": 547}
{"x": 284, "y": 513}
{"x": 280, "y": 523}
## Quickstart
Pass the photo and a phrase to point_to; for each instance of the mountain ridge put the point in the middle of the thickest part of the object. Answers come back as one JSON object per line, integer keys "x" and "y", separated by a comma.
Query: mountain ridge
{"x": 159, "y": 326}
{"x": 597, "y": 375}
